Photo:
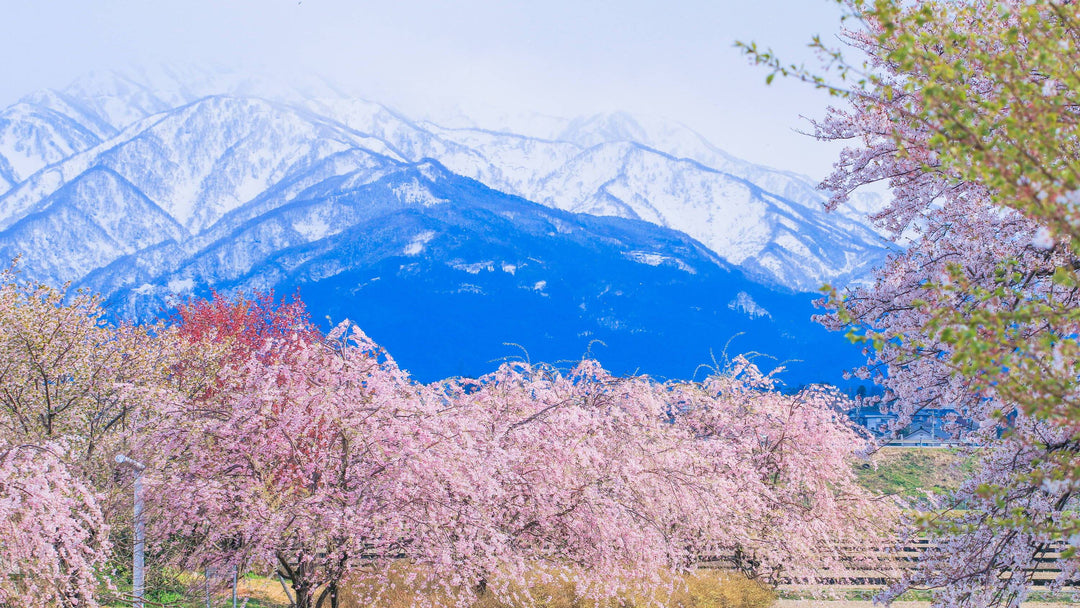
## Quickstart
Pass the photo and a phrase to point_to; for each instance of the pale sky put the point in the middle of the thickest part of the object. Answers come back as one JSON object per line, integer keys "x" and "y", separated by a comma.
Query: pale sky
{"x": 558, "y": 57}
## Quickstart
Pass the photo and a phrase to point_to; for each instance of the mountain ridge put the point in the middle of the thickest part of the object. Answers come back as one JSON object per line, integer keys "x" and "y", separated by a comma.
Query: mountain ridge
{"x": 358, "y": 205}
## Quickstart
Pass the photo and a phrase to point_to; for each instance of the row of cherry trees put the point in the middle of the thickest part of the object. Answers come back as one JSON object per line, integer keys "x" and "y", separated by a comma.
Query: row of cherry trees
{"x": 272, "y": 446}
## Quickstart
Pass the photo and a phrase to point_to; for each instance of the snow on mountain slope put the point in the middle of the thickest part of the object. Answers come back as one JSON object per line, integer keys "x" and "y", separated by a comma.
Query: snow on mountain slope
{"x": 334, "y": 177}
{"x": 677, "y": 140}
{"x": 443, "y": 271}
{"x": 73, "y": 109}
{"x": 506, "y": 162}
{"x": 169, "y": 178}
{"x": 268, "y": 228}
{"x": 208, "y": 158}
{"x": 734, "y": 218}
{"x": 512, "y": 163}
{"x": 32, "y": 137}
{"x": 667, "y": 136}
{"x": 86, "y": 224}
{"x": 742, "y": 222}
{"x": 680, "y": 141}
{"x": 400, "y": 135}
{"x": 200, "y": 158}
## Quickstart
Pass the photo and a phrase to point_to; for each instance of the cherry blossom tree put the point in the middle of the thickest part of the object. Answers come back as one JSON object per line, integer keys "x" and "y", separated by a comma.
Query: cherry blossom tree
{"x": 65, "y": 371}
{"x": 53, "y": 538}
{"x": 966, "y": 112}
{"x": 619, "y": 479}
{"x": 287, "y": 462}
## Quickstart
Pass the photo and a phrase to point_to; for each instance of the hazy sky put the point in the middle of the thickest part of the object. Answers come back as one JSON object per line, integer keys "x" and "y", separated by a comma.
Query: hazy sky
{"x": 567, "y": 58}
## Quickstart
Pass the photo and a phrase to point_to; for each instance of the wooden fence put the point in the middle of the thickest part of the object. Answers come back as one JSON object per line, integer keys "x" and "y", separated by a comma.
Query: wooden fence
{"x": 1046, "y": 568}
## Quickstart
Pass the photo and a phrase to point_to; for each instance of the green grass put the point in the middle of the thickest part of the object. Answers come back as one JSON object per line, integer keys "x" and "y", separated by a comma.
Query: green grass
{"x": 186, "y": 591}
{"x": 914, "y": 472}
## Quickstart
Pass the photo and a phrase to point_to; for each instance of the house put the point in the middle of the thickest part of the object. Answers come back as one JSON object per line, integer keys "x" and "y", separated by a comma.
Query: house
{"x": 924, "y": 434}
{"x": 929, "y": 427}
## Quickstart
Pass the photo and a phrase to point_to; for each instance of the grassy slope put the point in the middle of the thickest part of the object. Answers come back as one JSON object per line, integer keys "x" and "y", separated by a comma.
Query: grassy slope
{"x": 914, "y": 471}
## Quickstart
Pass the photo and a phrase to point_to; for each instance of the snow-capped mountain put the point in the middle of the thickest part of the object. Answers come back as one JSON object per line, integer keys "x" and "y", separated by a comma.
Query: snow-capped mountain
{"x": 168, "y": 177}
{"x": 444, "y": 271}
{"x": 149, "y": 188}
{"x": 593, "y": 166}
{"x": 769, "y": 222}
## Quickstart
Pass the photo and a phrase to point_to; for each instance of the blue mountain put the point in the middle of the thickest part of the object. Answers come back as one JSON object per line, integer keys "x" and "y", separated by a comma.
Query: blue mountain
{"x": 452, "y": 277}
{"x": 643, "y": 245}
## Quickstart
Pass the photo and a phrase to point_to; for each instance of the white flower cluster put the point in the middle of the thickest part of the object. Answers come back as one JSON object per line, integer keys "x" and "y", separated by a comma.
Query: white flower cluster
{"x": 1043, "y": 239}
{"x": 1070, "y": 198}
{"x": 1056, "y": 486}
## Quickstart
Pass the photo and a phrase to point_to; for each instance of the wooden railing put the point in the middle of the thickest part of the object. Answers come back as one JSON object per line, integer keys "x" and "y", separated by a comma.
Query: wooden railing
{"x": 904, "y": 558}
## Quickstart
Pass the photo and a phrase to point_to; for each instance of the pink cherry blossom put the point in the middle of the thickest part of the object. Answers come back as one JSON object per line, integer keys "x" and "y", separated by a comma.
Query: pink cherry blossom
{"x": 55, "y": 540}
{"x": 963, "y": 253}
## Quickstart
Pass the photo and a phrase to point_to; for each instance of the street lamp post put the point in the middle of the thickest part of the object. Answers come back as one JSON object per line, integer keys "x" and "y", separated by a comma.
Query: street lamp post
{"x": 138, "y": 578}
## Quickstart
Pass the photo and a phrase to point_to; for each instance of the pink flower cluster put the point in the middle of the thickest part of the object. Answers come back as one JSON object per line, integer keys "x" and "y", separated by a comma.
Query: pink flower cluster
{"x": 330, "y": 459}
{"x": 54, "y": 533}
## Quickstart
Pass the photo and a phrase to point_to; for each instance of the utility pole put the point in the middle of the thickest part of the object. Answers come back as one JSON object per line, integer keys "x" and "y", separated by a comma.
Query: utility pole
{"x": 138, "y": 574}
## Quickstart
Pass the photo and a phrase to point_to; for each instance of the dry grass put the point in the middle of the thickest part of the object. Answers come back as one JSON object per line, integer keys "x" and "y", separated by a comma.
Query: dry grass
{"x": 266, "y": 591}
{"x": 705, "y": 589}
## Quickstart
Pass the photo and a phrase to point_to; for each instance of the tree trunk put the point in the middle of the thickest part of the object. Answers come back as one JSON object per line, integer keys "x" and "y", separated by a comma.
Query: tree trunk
{"x": 300, "y": 579}
{"x": 303, "y": 588}
{"x": 304, "y": 594}
{"x": 331, "y": 593}
{"x": 481, "y": 587}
